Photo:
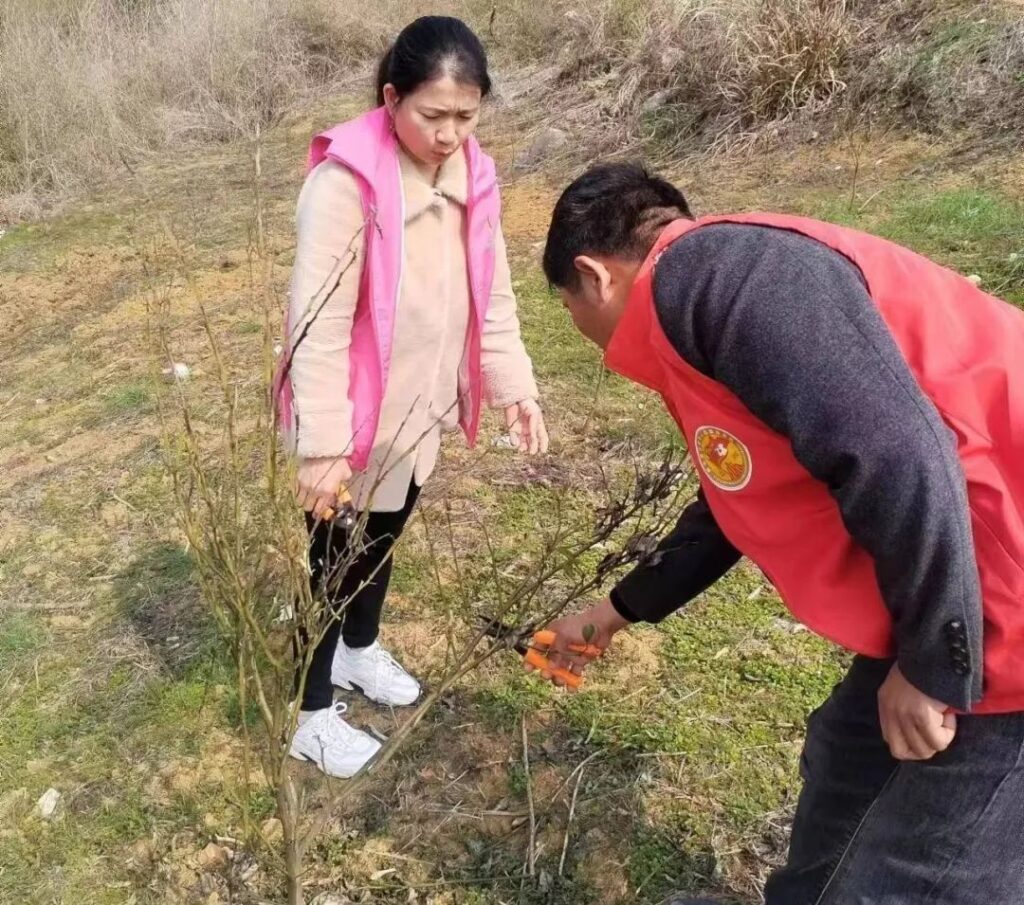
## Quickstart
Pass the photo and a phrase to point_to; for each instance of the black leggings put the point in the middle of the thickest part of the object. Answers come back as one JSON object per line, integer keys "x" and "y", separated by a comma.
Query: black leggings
{"x": 364, "y": 586}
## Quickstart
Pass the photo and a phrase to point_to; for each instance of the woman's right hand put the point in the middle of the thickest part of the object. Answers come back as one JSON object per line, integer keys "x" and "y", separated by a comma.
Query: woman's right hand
{"x": 319, "y": 481}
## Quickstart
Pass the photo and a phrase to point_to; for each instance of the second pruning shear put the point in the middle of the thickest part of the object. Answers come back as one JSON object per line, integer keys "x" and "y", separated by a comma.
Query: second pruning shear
{"x": 533, "y": 645}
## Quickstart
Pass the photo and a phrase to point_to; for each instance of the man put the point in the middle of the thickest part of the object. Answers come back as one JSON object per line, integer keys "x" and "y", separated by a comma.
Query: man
{"x": 855, "y": 414}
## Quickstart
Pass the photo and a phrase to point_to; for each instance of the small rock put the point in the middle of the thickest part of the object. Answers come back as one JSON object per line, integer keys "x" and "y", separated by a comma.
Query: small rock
{"x": 278, "y": 349}
{"x": 213, "y": 857}
{"x": 272, "y": 830}
{"x": 656, "y": 101}
{"x": 974, "y": 279}
{"x": 788, "y": 626}
{"x": 550, "y": 141}
{"x": 246, "y": 868}
{"x": 178, "y": 371}
{"x": 33, "y": 570}
{"x": 46, "y": 807}
{"x": 40, "y": 402}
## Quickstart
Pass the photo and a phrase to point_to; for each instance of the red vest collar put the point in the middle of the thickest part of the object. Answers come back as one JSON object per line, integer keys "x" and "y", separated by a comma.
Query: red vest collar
{"x": 634, "y": 330}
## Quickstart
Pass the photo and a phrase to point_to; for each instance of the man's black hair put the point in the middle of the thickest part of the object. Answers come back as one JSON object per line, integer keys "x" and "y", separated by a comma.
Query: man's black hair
{"x": 613, "y": 210}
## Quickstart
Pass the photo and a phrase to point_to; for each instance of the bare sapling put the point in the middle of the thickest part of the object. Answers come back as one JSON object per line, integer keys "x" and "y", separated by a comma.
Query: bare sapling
{"x": 234, "y": 506}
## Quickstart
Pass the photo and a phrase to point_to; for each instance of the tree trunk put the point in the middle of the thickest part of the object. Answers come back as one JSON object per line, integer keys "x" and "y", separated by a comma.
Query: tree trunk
{"x": 288, "y": 813}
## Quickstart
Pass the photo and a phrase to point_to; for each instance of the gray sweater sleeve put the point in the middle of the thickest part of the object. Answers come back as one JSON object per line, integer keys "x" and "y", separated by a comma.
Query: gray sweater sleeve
{"x": 787, "y": 325}
{"x": 688, "y": 560}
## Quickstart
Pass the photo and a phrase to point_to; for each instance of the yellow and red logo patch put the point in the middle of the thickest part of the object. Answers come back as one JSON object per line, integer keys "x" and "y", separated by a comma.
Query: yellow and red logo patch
{"x": 724, "y": 459}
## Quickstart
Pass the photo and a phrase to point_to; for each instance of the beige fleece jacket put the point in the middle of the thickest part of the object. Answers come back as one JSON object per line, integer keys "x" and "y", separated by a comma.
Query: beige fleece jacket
{"x": 431, "y": 325}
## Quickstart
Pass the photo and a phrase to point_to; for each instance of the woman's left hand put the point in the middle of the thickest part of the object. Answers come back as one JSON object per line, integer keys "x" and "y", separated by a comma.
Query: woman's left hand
{"x": 525, "y": 422}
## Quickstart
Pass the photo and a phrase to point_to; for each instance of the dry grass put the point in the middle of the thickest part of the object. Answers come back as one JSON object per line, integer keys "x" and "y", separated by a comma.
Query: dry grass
{"x": 87, "y": 89}
{"x": 675, "y": 76}
{"x": 683, "y": 71}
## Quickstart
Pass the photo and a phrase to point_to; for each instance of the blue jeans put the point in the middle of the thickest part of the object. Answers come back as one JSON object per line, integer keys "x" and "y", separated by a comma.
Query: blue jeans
{"x": 870, "y": 830}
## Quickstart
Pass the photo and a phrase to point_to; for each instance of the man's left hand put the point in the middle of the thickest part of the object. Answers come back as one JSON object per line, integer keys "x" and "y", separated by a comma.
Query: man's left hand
{"x": 915, "y": 726}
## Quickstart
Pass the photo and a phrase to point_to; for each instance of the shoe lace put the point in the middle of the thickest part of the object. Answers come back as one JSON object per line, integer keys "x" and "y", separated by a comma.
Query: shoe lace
{"x": 388, "y": 664}
{"x": 336, "y": 727}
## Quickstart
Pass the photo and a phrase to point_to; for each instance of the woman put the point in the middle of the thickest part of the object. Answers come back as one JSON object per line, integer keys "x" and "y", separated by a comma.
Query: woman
{"x": 401, "y": 319}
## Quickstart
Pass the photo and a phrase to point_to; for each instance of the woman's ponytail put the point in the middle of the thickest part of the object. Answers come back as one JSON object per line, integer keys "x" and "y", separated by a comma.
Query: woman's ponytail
{"x": 384, "y": 73}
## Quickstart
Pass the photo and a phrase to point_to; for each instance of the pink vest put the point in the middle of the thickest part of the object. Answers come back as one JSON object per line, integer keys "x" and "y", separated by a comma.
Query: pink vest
{"x": 965, "y": 350}
{"x": 367, "y": 147}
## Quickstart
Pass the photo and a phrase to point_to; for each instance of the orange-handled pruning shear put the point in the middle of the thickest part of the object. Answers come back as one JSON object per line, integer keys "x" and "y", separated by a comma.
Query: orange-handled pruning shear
{"x": 533, "y": 652}
{"x": 344, "y": 511}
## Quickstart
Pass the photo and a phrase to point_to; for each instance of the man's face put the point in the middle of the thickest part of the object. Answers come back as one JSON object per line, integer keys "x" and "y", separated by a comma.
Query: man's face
{"x": 597, "y": 303}
{"x": 589, "y": 319}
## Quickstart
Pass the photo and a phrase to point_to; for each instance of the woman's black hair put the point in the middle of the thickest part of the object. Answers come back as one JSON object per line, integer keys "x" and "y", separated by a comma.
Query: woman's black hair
{"x": 428, "y": 48}
{"x": 613, "y": 209}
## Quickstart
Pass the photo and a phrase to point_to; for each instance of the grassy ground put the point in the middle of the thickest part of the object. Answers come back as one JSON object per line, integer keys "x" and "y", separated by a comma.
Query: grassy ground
{"x": 115, "y": 691}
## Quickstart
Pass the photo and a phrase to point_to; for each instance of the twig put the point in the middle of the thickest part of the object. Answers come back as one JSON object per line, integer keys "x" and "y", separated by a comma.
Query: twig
{"x": 571, "y": 776}
{"x": 531, "y": 853}
{"x": 872, "y": 197}
{"x": 124, "y": 502}
{"x": 572, "y": 812}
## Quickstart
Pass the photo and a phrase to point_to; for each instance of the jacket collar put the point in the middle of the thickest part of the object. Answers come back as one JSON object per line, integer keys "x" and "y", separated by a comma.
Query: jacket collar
{"x": 450, "y": 184}
{"x": 367, "y": 146}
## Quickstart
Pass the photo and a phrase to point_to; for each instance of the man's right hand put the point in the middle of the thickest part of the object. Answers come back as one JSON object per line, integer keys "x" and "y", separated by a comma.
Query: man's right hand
{"x": 595, "y": 626}
{"x": 319, "y": 481}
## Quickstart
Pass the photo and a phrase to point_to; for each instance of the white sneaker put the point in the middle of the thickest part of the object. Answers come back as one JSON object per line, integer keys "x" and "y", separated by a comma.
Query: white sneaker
{"x": 374, "y": 672}
{"x": 332, "y": 744}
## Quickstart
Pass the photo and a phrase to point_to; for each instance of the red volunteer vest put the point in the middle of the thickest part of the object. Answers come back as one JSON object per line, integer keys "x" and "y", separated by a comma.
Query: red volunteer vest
{"x": 966, "y": 350}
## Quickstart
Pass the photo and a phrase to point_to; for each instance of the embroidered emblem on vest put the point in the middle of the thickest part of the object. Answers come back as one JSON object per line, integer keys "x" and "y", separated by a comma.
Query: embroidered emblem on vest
{"x": 723, "y": 458}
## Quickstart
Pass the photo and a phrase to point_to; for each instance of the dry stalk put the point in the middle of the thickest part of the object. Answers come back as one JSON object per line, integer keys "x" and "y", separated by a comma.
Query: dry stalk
{"x": 572, "y": 811}
{"x": 531, "y": 850}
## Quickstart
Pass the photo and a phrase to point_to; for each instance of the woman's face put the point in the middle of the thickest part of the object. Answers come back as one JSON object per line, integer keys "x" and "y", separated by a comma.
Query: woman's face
{"x": 434, "y": 120}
